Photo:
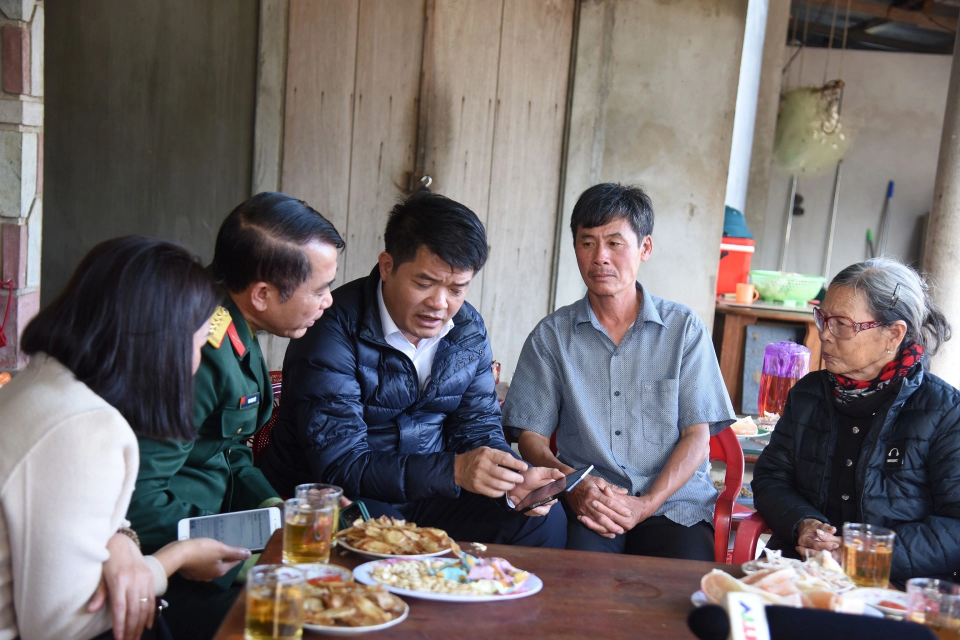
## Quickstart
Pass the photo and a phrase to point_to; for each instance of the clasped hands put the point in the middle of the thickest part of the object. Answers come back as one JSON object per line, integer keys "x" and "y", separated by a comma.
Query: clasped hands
{"x": 495, "y": 473}
{"x": 607, "y": 509}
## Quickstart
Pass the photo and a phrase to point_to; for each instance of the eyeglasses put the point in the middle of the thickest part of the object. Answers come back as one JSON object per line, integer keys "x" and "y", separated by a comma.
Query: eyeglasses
{"x": 842, "y": 326}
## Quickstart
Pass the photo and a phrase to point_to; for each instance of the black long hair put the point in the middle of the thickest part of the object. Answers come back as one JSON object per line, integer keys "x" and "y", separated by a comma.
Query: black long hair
{"x": 124, "y": 326}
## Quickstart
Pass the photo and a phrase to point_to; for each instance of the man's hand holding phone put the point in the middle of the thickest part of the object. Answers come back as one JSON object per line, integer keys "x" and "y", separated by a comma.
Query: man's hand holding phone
{"x": 535, "y": 478}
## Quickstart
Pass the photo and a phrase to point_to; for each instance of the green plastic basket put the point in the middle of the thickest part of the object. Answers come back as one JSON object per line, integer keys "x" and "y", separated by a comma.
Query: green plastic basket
{"x": 786, "y": 287}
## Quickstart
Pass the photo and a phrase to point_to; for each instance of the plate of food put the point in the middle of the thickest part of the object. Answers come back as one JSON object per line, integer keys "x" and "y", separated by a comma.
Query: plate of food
{"x": 768, "y": 422}
{"x": 746, "y": 429}
{"x": 349, "y": 609}
{"x": 818, "y": 583}
{"x": 386, "y": 537}
{"x": 888, "y": 601}
{"x": 467, "y": 579}
{"x": 820, "y": 572}
{"x": 699, "y": 598}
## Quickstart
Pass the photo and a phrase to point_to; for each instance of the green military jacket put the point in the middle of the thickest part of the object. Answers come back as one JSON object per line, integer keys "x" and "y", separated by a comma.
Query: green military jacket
{"x": 214, "y": 473}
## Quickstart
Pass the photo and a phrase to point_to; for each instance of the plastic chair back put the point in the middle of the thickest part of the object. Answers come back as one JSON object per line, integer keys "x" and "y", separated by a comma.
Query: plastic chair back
{"x": 725, "y": 448}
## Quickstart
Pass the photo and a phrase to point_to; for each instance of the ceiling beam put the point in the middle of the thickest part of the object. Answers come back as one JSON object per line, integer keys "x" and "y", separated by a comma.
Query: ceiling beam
{"x": 916, "y": 18}
{"x": 879, "y": 41}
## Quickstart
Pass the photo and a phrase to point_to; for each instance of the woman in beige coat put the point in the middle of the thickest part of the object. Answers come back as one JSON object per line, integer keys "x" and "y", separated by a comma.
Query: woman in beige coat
{"x": 111, "y": 357}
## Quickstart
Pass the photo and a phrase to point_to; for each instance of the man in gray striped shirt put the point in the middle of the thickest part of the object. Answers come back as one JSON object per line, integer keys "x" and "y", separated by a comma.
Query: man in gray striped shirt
{"x": 629, "y": 383}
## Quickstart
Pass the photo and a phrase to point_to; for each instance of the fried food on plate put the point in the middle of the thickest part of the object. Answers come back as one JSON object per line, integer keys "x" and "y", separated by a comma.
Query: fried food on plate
{"x": 349, "y": 604}
{"x": 391, "y": 536}
{"x": 745, "y": 427}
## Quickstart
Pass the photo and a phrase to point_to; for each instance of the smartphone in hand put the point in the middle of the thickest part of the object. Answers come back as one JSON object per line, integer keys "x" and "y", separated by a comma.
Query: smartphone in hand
{"x": 552, "y": 491}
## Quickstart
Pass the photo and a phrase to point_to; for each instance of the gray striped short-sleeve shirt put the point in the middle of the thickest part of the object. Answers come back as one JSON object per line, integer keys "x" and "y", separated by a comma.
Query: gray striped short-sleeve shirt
{"x": 622, "y": 407}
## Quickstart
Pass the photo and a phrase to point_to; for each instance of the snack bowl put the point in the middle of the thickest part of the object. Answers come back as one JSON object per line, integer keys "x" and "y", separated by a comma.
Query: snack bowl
{"x": 383, "y": 556}
{"x": 386, "y": 537}
{"x": 355, "y": 631}
{"x": 318, "y": 610}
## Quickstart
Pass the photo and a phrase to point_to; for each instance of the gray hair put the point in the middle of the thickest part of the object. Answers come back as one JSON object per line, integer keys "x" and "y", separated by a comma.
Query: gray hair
{"x": 895, "y": 291}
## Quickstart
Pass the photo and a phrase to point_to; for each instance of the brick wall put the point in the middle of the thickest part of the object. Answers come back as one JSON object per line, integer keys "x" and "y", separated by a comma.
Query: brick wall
{"x": 21, "y": 168}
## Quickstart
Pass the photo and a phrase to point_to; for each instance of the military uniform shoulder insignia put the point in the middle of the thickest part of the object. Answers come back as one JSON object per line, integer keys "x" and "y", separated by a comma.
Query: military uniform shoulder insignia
{"x": 220, "y": 321}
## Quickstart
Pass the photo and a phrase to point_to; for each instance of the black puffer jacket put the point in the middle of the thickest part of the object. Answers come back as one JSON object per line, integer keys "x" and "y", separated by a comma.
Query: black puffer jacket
{"x": 915, "y": 490}
{"x": 352, "y": 413}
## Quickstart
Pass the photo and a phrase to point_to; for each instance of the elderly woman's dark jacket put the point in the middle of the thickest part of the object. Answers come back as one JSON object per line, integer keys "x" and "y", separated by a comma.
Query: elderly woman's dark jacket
{"x": 908, "y": 477}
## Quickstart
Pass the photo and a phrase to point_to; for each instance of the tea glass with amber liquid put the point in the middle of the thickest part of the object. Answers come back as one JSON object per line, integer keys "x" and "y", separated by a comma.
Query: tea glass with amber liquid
{"x": 936, "y": 605}
{"x": 307, "y": 531}
{"x": 274, "y": 603}
{"x": 325, "y": 494}
{"x": 867, "y": 554}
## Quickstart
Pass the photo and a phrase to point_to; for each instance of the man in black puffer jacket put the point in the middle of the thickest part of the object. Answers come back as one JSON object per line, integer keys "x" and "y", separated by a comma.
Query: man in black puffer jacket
{"x": 390, "y": 395}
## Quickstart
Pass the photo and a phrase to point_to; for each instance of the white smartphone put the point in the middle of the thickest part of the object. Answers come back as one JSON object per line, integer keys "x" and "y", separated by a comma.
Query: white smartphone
{"x": 247, "y": 529}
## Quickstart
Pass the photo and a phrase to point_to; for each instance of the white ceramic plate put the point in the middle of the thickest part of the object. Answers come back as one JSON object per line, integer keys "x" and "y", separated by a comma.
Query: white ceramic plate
{"x": 699, "y": 598}
{"x": 530, "y": 586}
{"x": 761, "y": 435}
{"x": 874, "y": 597}
{"x": 387, "y": 556}
{"x": 754, "y": 565}
{"x": 355, "y": 631}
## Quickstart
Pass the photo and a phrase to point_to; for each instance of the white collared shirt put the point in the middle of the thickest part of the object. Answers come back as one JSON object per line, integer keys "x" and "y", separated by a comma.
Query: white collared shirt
{"x": 423, "y": 353}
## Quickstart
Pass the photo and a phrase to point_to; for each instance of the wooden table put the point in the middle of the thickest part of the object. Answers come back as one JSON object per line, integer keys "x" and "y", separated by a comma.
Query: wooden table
{"x": 729, "y": 337}
{"x": 585, "y": 595}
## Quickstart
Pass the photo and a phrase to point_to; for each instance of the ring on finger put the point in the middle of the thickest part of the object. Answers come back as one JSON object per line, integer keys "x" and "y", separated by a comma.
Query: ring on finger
{"x": 144, "y": 600}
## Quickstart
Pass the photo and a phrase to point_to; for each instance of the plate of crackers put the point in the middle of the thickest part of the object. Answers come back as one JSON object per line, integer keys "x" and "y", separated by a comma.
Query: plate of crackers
{"x": 349, "y": 608}
{"x": 387, "y": 537}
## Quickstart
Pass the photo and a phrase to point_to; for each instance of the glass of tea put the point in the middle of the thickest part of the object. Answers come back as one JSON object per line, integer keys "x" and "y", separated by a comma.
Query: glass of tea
{"x": 274, "y": 603}
{"x": 307, "y": 531}
{"x": 867, "y": 554}
{"x": 935, "y": 604}
{"x": 327, "y": 494}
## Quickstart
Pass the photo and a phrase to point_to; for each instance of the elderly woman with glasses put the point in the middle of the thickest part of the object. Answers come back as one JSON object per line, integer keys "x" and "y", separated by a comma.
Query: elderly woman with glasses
{"x": 874, "y": 437}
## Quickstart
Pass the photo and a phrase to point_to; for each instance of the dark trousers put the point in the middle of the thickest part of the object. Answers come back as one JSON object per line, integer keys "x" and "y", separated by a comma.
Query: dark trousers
{"x": 656, "y": 536}
{"x": 477, "y": 518}
{"x": 197, "y": 608}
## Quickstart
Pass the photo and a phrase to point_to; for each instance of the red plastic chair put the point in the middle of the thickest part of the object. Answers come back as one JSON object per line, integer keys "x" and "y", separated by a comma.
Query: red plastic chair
{"x": 725, "y": 448}
{"x": 260, "y": 439}
{"x": 748, "y": 535}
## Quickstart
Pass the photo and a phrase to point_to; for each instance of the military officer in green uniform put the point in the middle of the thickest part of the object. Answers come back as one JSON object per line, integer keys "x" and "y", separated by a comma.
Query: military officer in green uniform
{"x": 275, "y": 260}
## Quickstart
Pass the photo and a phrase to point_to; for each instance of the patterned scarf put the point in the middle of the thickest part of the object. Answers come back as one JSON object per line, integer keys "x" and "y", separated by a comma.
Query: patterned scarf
{"x": 847, "y": 390}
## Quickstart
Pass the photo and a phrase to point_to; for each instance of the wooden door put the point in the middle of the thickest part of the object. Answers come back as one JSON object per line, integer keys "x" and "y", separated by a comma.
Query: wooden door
{"x": 470, "y": 92}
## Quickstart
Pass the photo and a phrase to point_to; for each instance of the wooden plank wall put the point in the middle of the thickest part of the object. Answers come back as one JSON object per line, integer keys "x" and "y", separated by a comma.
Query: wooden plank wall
{"x": 318, "y": 127}
{"x": 491, "y": 76}
{"x": 459, "y": 95}
{"x": 384, "y": 123}
{"x": 525, "y": 174}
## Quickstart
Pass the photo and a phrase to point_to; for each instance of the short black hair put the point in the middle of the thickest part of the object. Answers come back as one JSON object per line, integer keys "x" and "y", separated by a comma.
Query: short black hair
{"x": 124, "y": 326}
{"x": 260, "y": 242}
{"x": 447, "y": 228}
{"x": 603, "y": 203}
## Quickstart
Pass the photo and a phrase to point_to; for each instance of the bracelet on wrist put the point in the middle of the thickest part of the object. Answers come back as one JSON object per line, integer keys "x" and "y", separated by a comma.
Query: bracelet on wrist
{"x": 130, "y": 533}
